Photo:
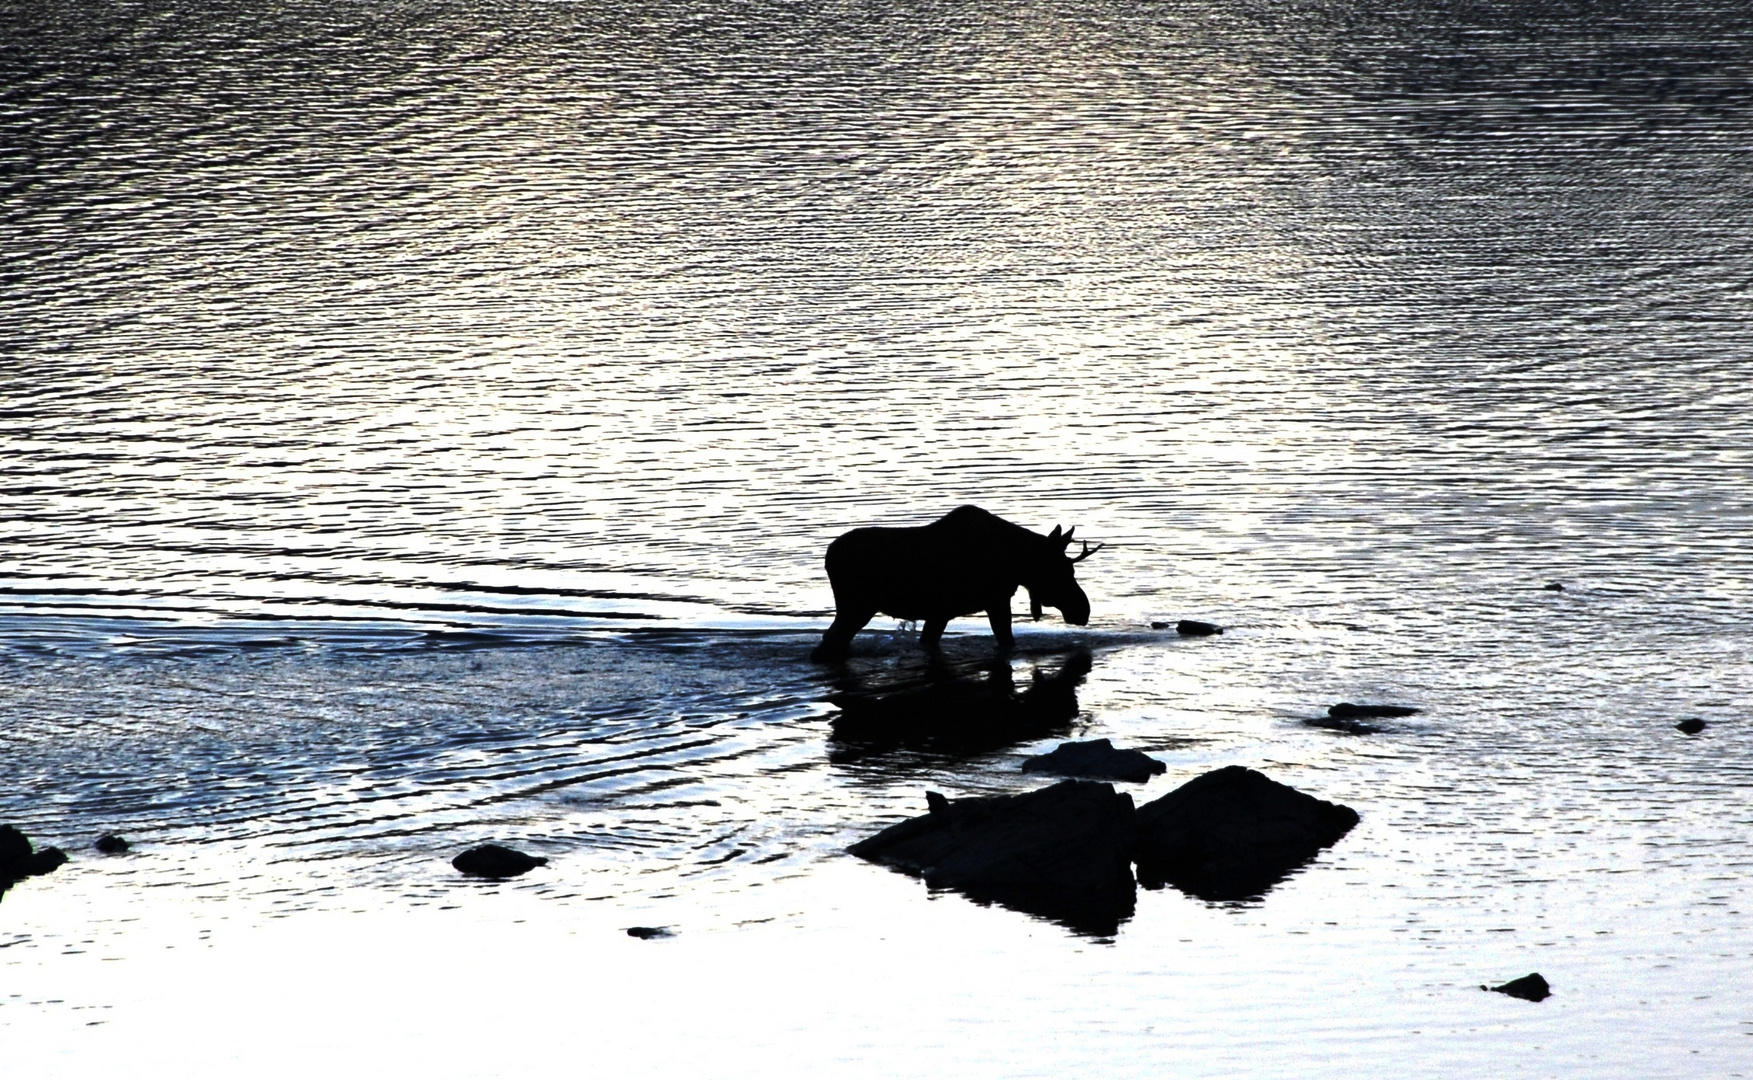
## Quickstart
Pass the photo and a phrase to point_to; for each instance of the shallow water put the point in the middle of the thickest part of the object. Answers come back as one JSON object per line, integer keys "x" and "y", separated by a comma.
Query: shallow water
{"x": 421, "y": 423}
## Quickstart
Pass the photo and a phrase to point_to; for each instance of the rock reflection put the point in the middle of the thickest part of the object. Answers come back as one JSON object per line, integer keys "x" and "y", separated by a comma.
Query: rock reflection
{"x": 954, "y": 709}
{"x": 1089, "y": 913}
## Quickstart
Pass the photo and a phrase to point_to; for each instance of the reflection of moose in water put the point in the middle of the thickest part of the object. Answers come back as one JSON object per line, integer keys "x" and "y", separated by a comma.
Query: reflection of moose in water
{"x": 964, "y": 562}
{"x": 957, "y": 710}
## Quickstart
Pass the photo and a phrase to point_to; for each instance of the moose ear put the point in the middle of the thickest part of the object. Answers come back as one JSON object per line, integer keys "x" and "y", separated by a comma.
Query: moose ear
{"x": 1067, "y": 536}
{"x": 1054, "y": 535}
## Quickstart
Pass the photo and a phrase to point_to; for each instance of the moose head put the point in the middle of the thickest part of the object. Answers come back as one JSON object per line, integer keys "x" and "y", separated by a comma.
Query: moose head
{"x": 1053, "y": 583}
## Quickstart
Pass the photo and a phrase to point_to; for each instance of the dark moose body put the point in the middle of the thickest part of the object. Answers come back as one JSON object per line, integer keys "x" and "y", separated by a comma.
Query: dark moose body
{"x": 965, "y": 562}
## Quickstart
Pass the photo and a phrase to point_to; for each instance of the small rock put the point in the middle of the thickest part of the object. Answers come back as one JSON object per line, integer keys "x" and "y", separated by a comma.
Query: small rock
{"x": 1195, "y": 628}
{"x": 495, "y": 861}
{"x": 111, "y": 844}
{"x": 646, "y": 933}
{"x": 1233, "y": 833}
{"x": 935, "y": 802}
{"x": 45, "y": 861}
{"x": 1160, "y": 625}
{"x": 1096, "y": 760}
{"x": 1528, "y": 988}
{"x": 1347, "y": 710}
{"x": 1692, "y": 725}
{"x": 1554, "y": 586}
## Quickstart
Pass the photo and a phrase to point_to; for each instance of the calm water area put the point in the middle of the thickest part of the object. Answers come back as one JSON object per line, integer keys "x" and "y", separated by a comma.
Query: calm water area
{"x": 421, "y": 423}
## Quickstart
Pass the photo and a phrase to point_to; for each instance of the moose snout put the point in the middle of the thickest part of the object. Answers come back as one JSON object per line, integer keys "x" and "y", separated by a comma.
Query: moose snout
{"x": 1076, "y": 609}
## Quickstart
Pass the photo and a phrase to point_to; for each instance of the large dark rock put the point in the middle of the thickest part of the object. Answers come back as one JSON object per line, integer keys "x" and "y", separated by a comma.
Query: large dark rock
{"x": 1062, "y": 852}
{"x": 1096, "y": 759}
{"x": 1232, "y": 834}
{"x": 495, "y": 861}
{"x": 955, "y": 710}
{"x": 19, "y": 859}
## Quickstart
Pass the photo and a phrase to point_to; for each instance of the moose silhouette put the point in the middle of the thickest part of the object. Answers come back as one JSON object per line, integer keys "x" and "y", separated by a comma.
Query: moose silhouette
{"x": 964, "y": 562}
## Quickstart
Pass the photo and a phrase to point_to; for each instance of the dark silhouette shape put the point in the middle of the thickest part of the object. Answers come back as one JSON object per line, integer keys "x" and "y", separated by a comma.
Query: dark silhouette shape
{"x": 1555, "y": 586}
{"x": 1061, "y": 852}
{"x": 1528, "y": 988}
{"x": 20, "y": 859}
{"x": 646, "y": 933}
{"x": 1232, "y": 834}
{"x": 1096, "y": 760}
{"x": 956, "y": 711}
{"x": 1690, "y": 726}
{"x": 964, "y": 562}
{"x": 1346, "y": 710}
{"x": 495, "y": 861}
{"x": 111, "y": 844}
{"x": 1195, "y": 628}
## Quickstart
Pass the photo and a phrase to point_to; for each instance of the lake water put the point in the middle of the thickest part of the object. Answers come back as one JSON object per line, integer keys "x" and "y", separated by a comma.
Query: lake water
{"x": 421, "y": 423}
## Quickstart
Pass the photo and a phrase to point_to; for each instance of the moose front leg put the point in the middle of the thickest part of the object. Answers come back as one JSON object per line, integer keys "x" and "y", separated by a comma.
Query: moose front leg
{"x": 837, "y": 642}
{"x": 931, "y": 634}
{"x": 999, "y": 616}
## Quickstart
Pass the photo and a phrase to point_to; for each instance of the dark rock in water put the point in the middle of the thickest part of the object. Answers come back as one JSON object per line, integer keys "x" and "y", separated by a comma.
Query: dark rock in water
{"x": 1096, "y": 760}
{"x": 1195, "y": 628}
{"x": 1232, "y": 834}
{"x": 45, "y": 861}
{"x": 1160, "y": 625}
{"x": 111, "y": 844}
{"x": 495, "y": 861}
{"x": 1554, "y": 586}
{"x": 14, "y": 846}
{"x": 19, "y": 859}
{"x": 1347, "y": 710}
{"x": 1528, "y": 988}
{"x": 1061, "y": 852}
{"x": 956, "y": 711}
{"x": 646, "y": 933}
{"x": 1690, "y": 726}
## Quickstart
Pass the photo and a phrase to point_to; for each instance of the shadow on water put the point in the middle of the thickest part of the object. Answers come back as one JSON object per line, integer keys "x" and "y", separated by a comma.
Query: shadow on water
{"x": 954, "y": 709}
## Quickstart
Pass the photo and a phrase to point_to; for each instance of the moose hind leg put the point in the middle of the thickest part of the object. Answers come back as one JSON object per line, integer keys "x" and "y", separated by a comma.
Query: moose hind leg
{"x": 932, "y": 634}
{"x": 837, "y": 641}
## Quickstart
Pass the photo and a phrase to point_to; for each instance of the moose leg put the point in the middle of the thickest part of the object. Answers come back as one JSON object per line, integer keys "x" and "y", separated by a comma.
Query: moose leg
{"x": 999, "y": 616}
{"x": 929, "y": 635}
{"x": 837, "y": 641}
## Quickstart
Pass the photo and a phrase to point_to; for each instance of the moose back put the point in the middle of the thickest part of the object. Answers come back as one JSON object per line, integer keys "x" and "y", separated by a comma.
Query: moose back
{"x": 964, "y": 562}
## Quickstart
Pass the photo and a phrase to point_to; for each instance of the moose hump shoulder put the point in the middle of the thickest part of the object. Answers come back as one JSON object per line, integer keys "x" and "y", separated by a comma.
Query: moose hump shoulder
{"x": 965, "y": 562}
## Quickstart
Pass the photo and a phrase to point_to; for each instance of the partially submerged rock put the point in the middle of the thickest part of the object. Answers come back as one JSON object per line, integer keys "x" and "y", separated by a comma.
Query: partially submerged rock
{"x": 111, "y": 844}
{"x": 496, "y": 861}
{"x": 1233, "y": 833}
{"x": 646, "y": 933}
{"x": 1692, "y": 725}
{"x": 1528, "y": 988}
{"x": 20, "y": 859}
{"x": 1096, "y": 759}
{"x": 1195, "y": 628}
{"x": 1347, "y": 710}
{"x": 1062, "y": 852}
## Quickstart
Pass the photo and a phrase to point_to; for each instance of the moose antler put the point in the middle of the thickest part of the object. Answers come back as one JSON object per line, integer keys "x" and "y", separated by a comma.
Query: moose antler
{"x": 1087, "y": 551}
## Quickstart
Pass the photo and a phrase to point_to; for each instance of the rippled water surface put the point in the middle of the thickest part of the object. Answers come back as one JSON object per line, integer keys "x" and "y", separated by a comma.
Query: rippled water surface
{"x": 421, "y": 423}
